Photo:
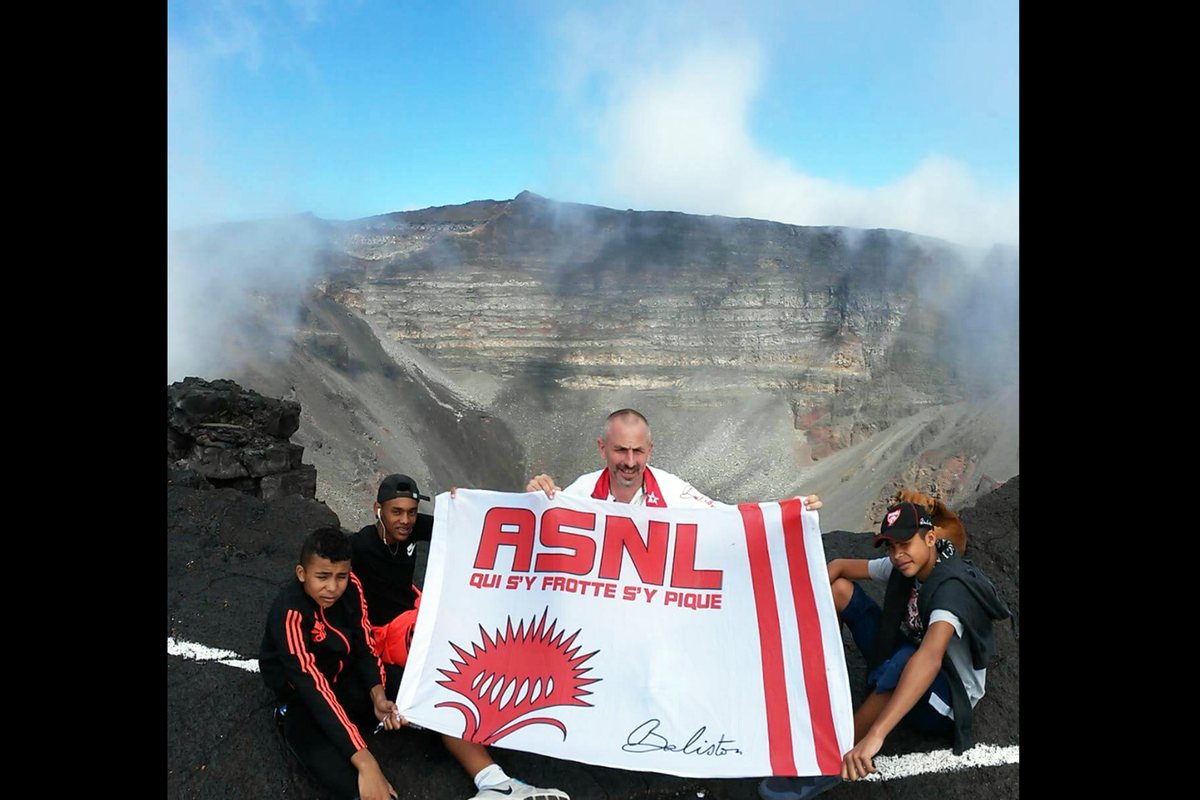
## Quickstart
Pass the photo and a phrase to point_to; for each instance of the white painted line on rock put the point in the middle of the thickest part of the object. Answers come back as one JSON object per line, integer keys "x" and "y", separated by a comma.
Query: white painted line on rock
{"x": 199, "y": 652}
{"x": 906, "y": 766}
{"x": 890, "y": 767}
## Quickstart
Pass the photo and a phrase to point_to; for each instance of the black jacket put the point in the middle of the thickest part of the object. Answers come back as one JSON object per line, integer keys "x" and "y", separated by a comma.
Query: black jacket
{"x": 958, "y": 586}
{"x": 305, "y": 648}
{"x": 387, "y": 577}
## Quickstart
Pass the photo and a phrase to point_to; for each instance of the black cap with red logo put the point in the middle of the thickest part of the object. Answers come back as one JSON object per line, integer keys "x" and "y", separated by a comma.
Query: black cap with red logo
{"x": 902, "y": 521}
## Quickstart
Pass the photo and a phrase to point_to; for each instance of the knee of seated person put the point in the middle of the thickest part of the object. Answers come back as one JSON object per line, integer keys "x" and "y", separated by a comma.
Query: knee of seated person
{"x": 843, "y": 590}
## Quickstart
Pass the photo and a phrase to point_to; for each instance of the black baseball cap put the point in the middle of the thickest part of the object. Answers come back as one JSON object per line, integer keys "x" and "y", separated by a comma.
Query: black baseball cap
{"x": 397, "y": 485}
{"x": 902, "y": 521}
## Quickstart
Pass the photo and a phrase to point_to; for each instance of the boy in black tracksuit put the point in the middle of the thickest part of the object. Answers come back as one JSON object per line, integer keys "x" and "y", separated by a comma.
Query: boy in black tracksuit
{"x": 927, "y": 649}
{"x": 317, "y": 658}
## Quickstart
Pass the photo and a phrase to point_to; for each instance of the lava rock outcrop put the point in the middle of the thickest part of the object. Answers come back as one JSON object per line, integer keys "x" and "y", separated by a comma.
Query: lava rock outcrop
{"x": 236, "y": 438}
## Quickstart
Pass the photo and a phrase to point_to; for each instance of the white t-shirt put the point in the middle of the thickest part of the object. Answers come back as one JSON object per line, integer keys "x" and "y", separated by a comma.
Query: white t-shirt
{"x": 676, "y": 492}
{"x": 880, "y": 569}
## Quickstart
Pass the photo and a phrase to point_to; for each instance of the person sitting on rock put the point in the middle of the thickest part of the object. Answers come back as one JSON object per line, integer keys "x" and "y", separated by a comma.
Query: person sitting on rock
{"x": 927, "y": 649}
{"x": 316, "y": 624}
{"x": 384, "y": 559}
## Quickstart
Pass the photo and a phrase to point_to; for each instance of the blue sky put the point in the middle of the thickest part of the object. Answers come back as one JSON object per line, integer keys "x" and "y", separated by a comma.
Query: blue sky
{"x": 871, "y": 114}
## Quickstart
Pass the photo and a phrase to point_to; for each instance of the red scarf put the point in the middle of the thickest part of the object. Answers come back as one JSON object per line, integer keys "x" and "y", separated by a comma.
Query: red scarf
{"x": 649, "y": 486}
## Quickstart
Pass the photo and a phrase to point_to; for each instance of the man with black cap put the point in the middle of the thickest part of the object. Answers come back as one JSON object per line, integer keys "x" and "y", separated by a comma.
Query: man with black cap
{"x": 927, "y": 649}
{"x": 383, "y": 561}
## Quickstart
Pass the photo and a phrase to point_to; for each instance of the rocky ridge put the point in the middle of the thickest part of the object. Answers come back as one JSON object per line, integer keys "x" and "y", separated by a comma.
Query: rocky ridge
{"x": 834, "y": 334}
{"x": 764, "y": 354}
{"x": 590, "y": 297}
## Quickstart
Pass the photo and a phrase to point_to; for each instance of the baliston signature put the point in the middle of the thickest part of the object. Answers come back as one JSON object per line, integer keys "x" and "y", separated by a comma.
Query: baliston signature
{"x": 645, "y": 738}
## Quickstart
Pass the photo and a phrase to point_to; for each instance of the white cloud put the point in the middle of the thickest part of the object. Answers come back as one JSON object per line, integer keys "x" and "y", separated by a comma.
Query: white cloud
{"x": 672, "y": 119}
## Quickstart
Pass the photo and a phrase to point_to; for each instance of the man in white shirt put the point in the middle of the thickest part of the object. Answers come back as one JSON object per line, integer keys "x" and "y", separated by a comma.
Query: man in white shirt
{"x": 627, "y": 477}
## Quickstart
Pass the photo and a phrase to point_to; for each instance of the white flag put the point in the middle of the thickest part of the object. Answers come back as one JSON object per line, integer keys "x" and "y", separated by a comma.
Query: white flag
{"x": 693, "y": 642}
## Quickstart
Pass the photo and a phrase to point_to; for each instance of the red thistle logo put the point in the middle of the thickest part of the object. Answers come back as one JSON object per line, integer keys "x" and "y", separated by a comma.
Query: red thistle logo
{"x": 514, "y": 674}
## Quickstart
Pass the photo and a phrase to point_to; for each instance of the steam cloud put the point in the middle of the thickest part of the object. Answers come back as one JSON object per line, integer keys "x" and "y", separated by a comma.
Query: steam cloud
{"x": 232, "y": 289}
{"x": 233, "y": 292}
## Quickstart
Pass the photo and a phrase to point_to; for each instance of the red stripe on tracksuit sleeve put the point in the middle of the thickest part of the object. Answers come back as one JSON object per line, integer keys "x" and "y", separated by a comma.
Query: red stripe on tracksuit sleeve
{"x": 779, "y": 730}
{"x": 368, "y": 631}
{"x": 287, "y": 630}
{"x": 308, "y": 664}
{"x": 812, "y": 648}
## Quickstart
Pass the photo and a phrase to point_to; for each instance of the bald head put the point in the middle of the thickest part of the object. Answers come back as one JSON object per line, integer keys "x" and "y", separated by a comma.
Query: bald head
{"x": 626, "y": 420}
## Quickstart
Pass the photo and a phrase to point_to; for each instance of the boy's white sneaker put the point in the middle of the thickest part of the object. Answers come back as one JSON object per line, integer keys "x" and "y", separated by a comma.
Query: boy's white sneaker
{"x": 516, "y": 790}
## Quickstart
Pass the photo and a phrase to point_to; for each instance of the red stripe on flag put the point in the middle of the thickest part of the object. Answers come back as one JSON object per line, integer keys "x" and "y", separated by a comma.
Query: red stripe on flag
{"x": 812, "y": 650}
{"x": 779, "y": 730}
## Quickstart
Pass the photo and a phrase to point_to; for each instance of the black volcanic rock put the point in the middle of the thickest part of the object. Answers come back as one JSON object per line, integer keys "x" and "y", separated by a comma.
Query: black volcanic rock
{"x": 993, "y": 527}
{"x": 187, "y": 478}
{"x": 243, "y": 522}
{"x": 231, "y": 413}
{"x": 237, "y": 438}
